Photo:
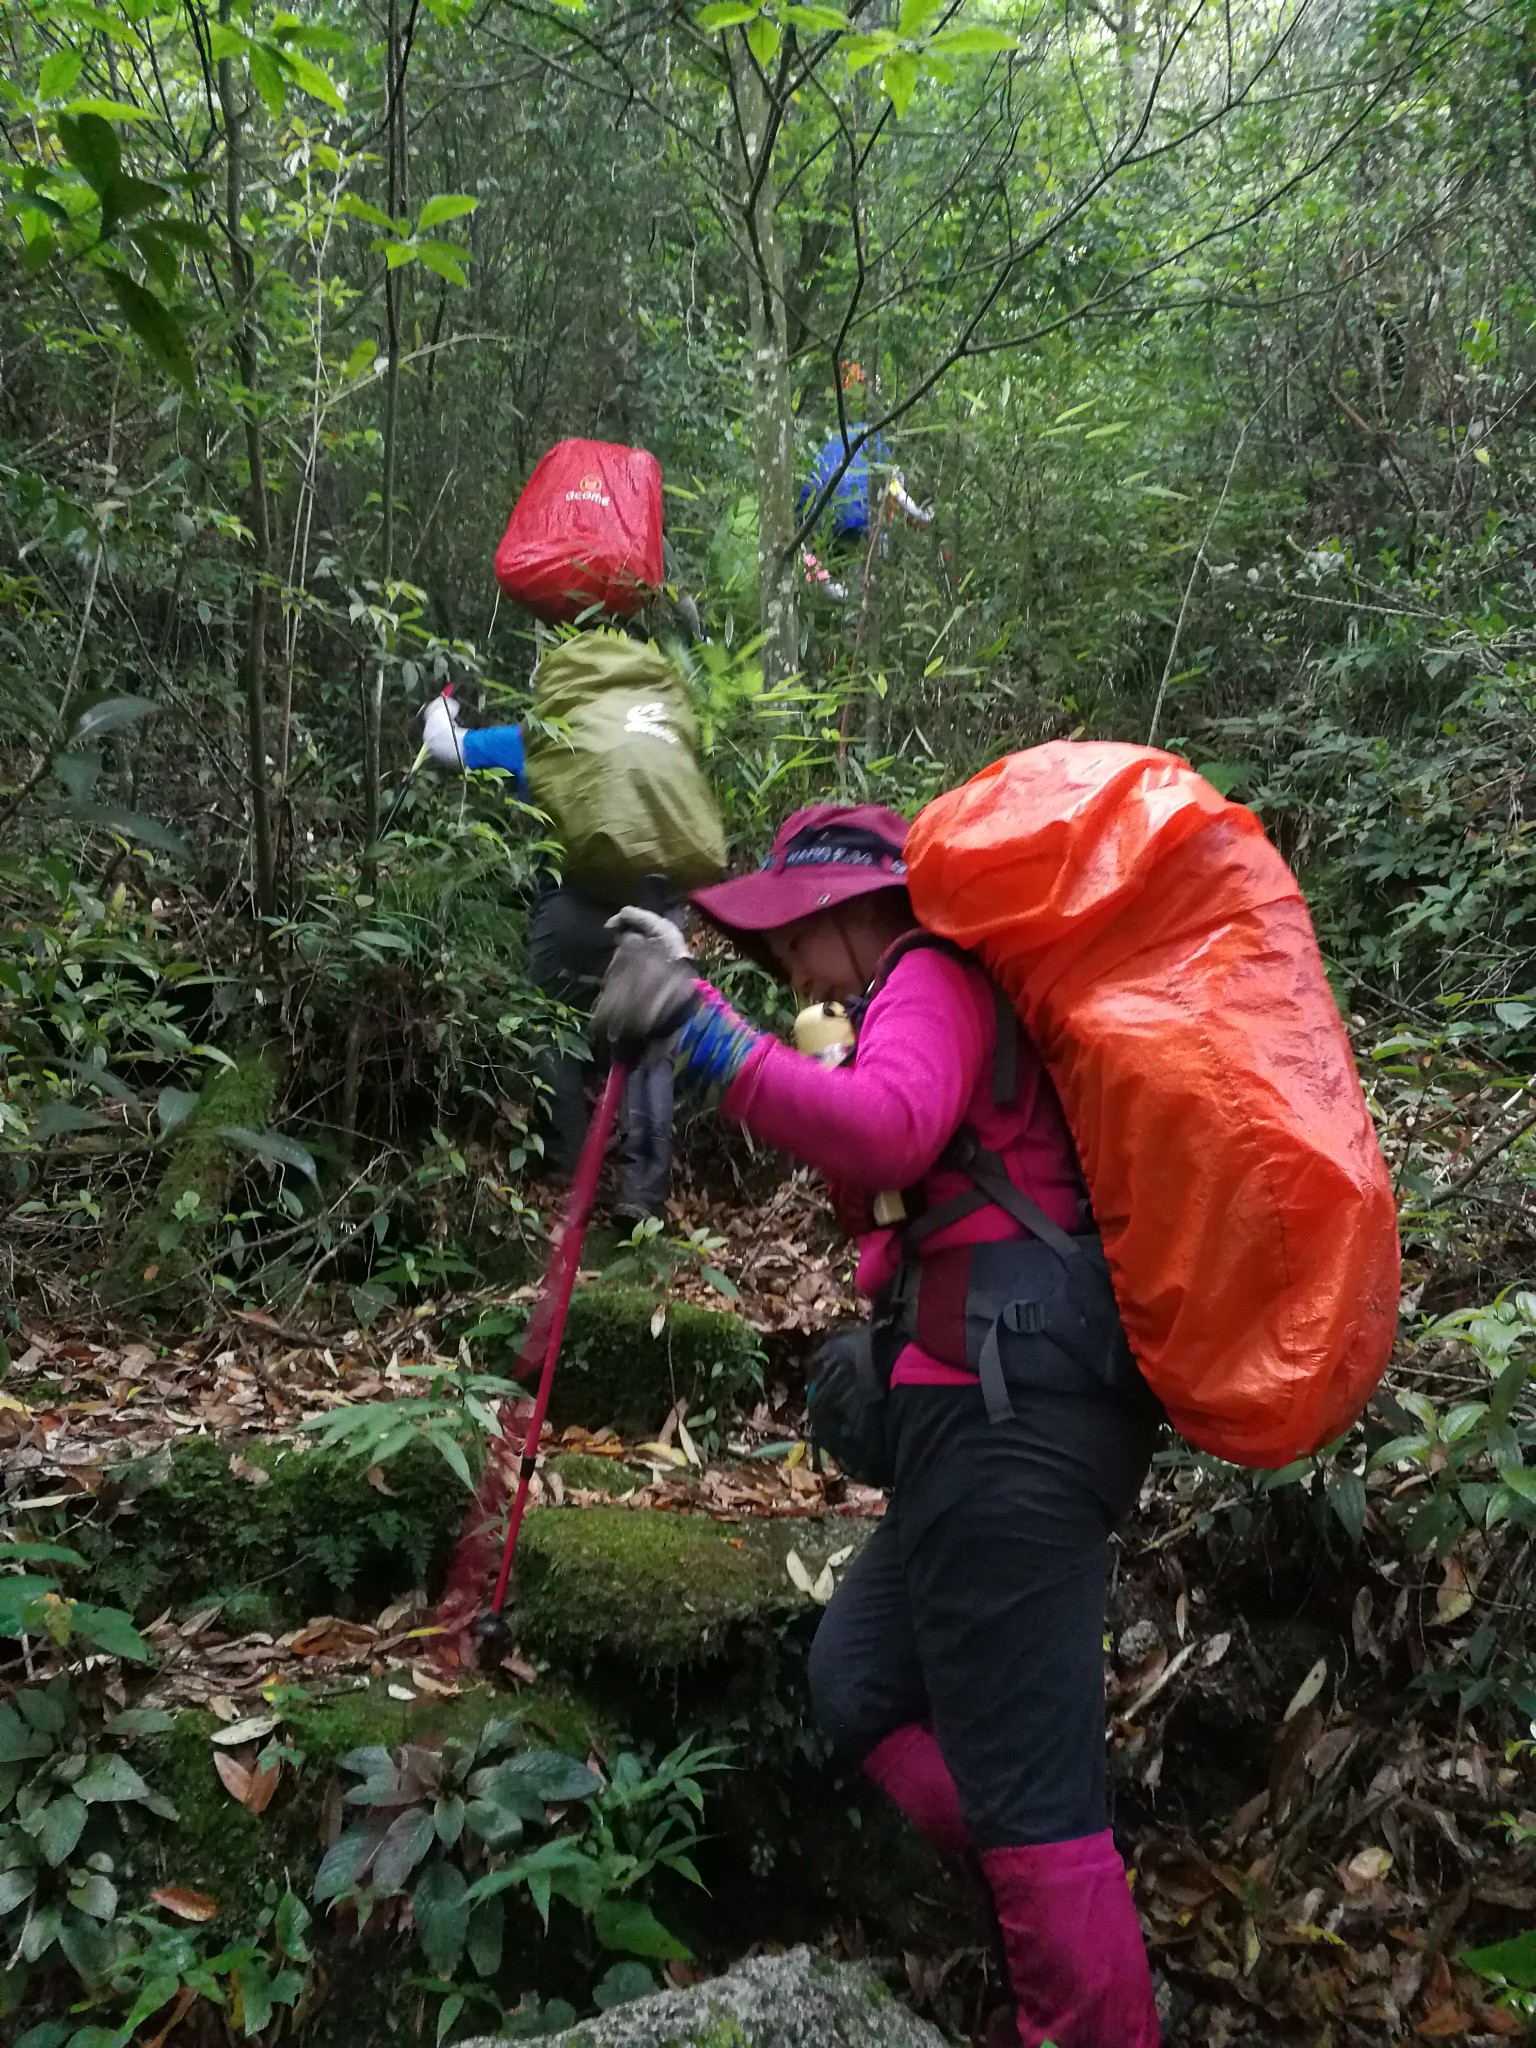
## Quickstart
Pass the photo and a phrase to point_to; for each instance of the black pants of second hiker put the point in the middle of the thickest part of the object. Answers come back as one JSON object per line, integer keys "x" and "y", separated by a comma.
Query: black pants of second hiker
{"x": 977, "y": 1606}
{"x": 568, "y": 954}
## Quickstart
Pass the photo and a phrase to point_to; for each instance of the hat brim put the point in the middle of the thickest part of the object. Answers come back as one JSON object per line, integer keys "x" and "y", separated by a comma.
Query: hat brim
{"x": 750, "y": 907}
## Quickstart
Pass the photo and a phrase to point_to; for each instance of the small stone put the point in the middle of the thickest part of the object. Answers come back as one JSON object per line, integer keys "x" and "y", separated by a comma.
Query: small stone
{"x": 1138, "y": 1642}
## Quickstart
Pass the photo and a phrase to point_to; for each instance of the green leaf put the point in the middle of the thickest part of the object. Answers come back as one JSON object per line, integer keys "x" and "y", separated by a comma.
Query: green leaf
{"x": 973, "y": 42}
{"x": 623, "y": 1982}
{"x": 40, "y": 1933}
{"x": 1516, "y": 1016}
{"x": 141, "y": 1721}
{"x": 1346, "y": 1496}
{"x": 487, "y": 1927}
{"x": 45, "y": 1710}
{"x": 60, "y": 1119}
{"x": 1511, "y": 1962}
{"x": 57, "y": 78}
{"x": 861, "y": 50}
{"x": 629, "y": 1924}
{"x": 340, "y": 1865}
{"x": 763, "y": 40}
{"x": 110, "y": 1630}
{"x": 16, "y": 1887}
{"x": 173, "y": 1107}
{"x": 447, "y": 2013}
{"x": 92, "y": 1950}
{"x": 409, "y": 1838}
{"x": 37, "y": 1553}
{"x": 1521, "y": 1483}
{"x": 723, "y": 14}
{"x": 267, "y": 77}
{"x": 224, "y": 40}
{"x": 915, "y": 16}
{"x": 109, "y": 1778}
{"x": 274, "y": 1145}
{"x": 112, "y": 714}
{"x": 440, "y": 1908}
{"x": 361, "y": 359}
{"x": 445, "y": 206}
{"x": 91, "y": 144}
{"x": 95, "y": 1896}
{"x": 899, "y": 78}
{"x": 357, "y": 208}
{"x": 19, "y": 1743}
{"x": 444, "y": 259}
{"x": 94, "y": 107}
{"x": 291, "y": 1926}
{"x": 155, "y": 326}
{"x": 309, "y": 77}
{"x": 61, "y": 1825}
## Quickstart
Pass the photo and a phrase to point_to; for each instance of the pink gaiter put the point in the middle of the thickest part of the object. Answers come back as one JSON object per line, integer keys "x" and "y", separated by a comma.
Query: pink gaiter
{"x": 909, "y": 1770}
{"x": 1076, "y": 1958}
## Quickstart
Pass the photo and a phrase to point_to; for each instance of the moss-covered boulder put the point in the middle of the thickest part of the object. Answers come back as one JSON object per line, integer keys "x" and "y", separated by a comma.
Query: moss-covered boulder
{"x": 799, "y": 2000}
{"x": 655, "y": 1590}
{"x": 316, "y": 1538}
{"x": 160, "y": 1250}
{"x": 616, "y": 1372}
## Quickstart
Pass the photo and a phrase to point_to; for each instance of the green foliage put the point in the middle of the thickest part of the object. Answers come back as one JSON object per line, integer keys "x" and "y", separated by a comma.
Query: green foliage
{"x": 34, "y": 1605}
{"x": 316, "y": 1539}
{"x": 455, "y": 1411}
{"x": 62, "y": 1834}
{"x": 431, "y": 1817}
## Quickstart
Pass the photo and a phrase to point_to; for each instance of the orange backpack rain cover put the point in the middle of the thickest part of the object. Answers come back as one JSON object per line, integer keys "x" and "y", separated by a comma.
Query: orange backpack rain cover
{"x": 1160, "y": 954}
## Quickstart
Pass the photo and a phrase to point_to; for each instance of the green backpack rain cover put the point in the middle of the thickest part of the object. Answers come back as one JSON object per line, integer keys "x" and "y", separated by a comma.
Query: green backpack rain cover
{"x": 619, "y": 775}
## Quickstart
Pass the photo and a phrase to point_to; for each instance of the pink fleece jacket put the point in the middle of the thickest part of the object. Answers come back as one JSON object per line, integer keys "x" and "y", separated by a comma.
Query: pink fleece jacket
{"x": 923, "y": 1067}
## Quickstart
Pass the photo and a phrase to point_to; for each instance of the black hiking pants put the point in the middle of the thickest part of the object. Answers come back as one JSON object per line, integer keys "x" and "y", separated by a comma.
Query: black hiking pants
{"x": 568, "y": 955}
{"x": 977, "y": 1607}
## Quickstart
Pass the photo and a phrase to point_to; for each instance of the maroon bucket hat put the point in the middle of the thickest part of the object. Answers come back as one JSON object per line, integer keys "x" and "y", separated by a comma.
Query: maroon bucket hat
{"x": 823, "y": 855}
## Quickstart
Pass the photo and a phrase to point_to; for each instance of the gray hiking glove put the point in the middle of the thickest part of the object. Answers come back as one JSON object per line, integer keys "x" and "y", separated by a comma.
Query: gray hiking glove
{"x": 650, "y": 988}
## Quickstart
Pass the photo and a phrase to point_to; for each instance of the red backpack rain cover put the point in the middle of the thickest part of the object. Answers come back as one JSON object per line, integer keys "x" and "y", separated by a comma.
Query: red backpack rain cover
{"x": 586, "y": 530}
{"x": 1160, "y": 954}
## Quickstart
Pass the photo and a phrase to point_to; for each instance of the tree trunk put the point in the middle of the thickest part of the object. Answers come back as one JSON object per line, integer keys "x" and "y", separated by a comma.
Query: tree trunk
{"x": 373, "y": 696}
{"x": 254, "y": 659}
{"x": 773, "y": 427}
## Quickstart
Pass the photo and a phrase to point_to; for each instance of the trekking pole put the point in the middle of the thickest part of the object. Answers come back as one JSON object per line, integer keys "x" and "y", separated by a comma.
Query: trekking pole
{"x": 489, "y": 1631}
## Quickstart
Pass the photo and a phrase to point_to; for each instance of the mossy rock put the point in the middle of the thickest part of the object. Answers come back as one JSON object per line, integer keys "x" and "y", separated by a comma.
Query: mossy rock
{"x": 158, "y": 1257}
{"x": 655, "y": 1590}
{"x": 315, "y": 1539}
{"x": 613, "y": 1373}
{"x": 799, "y": 2000}
{"x": 592, "y": 1474}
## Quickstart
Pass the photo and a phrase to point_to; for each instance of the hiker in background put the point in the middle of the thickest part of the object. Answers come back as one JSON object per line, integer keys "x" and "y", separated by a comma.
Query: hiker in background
{"x": 869, "y": 492}
{"x": 611, "y": 758}
{"x": 960, "y": 1660}
{"x": 569, "y": 950}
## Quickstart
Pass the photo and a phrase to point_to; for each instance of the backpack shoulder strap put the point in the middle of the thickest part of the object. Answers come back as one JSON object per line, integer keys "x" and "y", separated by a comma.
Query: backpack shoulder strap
{"x": 1005, "y": 1056}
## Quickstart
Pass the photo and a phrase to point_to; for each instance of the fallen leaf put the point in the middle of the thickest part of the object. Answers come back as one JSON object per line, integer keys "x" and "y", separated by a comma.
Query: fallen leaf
{"x": 264, "y": 1780}
{"x": 517, "y": 1666}
{"x": 253, "y": 1475}
{"x": 234, "y": 1776}
{"x": 379, "y": 1483}
{"x": 664, "y": 1452}
{"x": 251, "y": 1730}
{"x": 1364, "y": 1869}
{"x": 327, "y": 1635}
{"x": 658, "y": 1319}
{"x": 1216, "y": 1649}
{"x": 1308, "y": 1689}
{"x": 401, "y": 1692}
{"x": 185, "y": 1904}
{"x": 1454, "y": 1597}
{"x": 689, "y": 1449}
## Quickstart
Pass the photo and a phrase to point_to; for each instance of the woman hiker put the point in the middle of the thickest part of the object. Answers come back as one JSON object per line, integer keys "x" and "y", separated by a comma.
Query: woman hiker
{"x": 960, "y": 1660}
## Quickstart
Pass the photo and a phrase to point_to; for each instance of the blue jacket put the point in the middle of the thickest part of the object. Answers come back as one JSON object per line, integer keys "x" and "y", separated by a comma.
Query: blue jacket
{"x": 495, "y": 746}
{"x": 848, "y": 512}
